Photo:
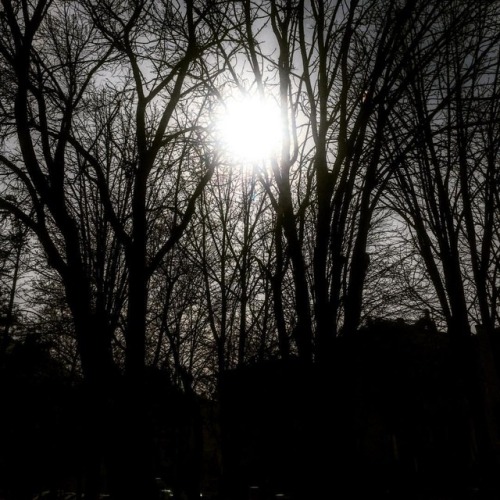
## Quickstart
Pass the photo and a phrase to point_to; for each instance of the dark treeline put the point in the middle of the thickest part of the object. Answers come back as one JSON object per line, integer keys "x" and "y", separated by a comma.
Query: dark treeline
{"x": 142, "y": 267}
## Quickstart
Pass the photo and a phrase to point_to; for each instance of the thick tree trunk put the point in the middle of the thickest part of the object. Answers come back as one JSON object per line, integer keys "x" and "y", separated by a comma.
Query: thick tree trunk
{"x": 324, "y": 327}
{"x": 303, "y": 329}
{"x": 100, "y": 375}
{"x": 277, "y": 289}
{"x": 132, "y": 475}
{"x": 359, "y": 264}
{"x": 360, "y": 259}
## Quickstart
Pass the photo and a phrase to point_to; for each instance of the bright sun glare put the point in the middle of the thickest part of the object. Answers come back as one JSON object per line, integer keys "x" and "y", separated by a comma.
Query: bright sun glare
{"x": 250, "y": 129}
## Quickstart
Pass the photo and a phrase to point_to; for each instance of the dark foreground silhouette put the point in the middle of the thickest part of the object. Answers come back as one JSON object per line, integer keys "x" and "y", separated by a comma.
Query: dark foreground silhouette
{"x": 390, "y": 416}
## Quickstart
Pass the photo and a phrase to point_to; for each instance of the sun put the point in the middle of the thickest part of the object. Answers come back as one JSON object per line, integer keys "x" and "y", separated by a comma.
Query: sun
{"x": 249, "y": 129}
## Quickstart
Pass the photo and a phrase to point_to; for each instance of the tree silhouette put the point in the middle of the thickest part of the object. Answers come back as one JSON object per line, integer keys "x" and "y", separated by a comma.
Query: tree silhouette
{"x": 97, "y": 123}
{"x": 169, "y": 256}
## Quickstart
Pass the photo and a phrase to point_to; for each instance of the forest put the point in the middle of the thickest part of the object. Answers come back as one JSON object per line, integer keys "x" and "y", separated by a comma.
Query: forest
{"x": 313, "y": 317}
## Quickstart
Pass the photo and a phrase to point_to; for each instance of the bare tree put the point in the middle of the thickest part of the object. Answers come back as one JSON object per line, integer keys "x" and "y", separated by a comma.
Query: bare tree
{"x": 230, "y": 246}
{"x": 445, "y": 193}
{"x": 98, "y": 120}
{"x": 338, "y": 71}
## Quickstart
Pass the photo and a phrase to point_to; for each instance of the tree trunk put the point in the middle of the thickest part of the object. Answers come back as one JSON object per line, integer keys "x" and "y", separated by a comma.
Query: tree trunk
{"x": 303, "y": 329}
{"x": 277, "y": 289}
{"x": 131, "y": 465}
{"x": 100, "y": 374}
